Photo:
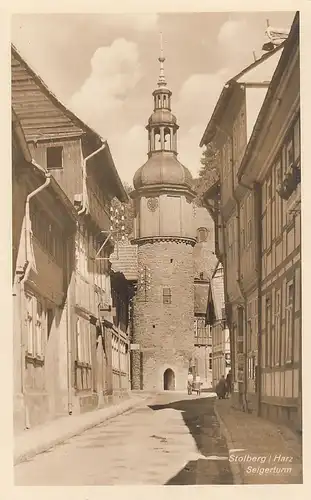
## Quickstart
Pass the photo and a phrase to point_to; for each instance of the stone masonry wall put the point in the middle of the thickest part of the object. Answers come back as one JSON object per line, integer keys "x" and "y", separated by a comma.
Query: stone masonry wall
{"x": 164, "y": 331}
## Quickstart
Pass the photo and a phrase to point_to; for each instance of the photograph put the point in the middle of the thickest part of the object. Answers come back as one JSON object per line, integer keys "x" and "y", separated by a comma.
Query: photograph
{"x": 156, "y": 248}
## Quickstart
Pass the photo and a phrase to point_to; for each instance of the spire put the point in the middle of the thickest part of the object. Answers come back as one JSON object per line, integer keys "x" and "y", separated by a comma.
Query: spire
{"x": 161, "y": 81}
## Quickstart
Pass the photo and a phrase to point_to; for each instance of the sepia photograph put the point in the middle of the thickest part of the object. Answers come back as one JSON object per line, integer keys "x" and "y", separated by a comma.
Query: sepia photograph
{"x": 156, "y": 248}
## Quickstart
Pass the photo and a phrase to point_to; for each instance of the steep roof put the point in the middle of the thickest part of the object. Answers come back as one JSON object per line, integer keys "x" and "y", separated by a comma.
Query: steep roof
{"x": 127, "y": 262}
{"x": 43, "y": 117}
{"x": 227, "y": 91}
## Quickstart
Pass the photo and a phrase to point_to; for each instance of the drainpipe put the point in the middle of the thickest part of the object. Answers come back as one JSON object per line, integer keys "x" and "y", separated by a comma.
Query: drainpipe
{"x": 257, "y": 190}
{"x": 29, "y": 265}
{"x": 69, "y": 326}
{"x": 84, "y": 176}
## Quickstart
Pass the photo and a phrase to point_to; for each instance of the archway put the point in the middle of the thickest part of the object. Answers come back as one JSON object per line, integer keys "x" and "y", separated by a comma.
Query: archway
{"x": 169, "y": 380}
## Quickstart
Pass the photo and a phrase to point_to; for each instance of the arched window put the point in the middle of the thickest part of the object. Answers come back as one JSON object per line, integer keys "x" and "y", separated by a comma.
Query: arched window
{"x": 157, "y": 140}
{"x": 167, "y": 139}
{"x": 202, "y": 234}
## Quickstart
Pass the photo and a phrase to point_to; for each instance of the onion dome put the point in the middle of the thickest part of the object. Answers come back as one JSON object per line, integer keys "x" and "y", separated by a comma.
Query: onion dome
{"x": 162, "y": 168}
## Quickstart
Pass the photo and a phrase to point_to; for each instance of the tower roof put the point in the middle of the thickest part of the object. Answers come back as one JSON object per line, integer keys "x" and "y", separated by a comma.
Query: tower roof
{"x": 162, "y": 168}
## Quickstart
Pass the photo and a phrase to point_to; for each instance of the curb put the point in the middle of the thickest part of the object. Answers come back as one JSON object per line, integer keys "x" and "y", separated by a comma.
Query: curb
{"x": 51, "y": 443}
{"x": 235, "y": 467}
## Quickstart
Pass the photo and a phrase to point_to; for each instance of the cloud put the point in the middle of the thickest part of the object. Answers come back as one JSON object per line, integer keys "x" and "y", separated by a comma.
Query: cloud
{"x": 115, "y": 71}
{"x": 129, "y": 151}
{"x": 237, "y": 40}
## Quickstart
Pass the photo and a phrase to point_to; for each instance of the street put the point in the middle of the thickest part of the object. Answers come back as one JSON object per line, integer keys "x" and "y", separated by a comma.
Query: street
{"x": 172, "y": 440}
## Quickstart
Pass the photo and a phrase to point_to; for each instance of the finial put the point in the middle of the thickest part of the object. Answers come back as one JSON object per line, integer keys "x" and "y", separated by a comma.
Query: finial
{"x": 161, "y": 81}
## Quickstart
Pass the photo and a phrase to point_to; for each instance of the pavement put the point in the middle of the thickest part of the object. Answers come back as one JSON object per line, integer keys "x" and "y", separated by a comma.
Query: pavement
{"x": 41, "y": 438}
{"x": 173, "y": 439}
{"x": 260, "y": 452}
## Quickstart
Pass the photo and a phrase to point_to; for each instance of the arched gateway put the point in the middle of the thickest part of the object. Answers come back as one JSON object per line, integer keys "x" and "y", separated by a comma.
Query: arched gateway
{"x": 169, "y": 380}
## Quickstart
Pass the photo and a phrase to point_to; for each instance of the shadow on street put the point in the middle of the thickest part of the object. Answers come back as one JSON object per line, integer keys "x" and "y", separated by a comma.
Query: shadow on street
{"x": 198, "y": 415}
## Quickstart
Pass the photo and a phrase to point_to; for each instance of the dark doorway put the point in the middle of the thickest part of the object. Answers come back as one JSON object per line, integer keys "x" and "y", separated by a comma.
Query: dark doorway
{"x": 169, "y": 380}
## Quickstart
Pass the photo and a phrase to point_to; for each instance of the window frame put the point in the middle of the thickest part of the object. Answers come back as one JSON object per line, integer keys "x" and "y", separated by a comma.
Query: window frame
{"x": 60, "y": 150}
{"x": 289, "y": 322}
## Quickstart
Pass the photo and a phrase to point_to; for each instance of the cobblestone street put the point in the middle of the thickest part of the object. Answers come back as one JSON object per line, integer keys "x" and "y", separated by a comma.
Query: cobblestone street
{"x": 175, "y": 440}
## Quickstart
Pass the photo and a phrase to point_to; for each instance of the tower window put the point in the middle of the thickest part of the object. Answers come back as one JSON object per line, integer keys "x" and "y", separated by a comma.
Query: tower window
{"x": 202, "y": 234}
{"x": 167, "y": 296}
{"x": 201, "y": 276}
{"x": 210, "y": 361}
{"x": 167, "y": 139}
{"x": 54, "y": 157}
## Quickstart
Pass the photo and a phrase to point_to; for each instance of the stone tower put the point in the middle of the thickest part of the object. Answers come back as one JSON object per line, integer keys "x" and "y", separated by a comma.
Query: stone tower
{"x": 164, "y": 304}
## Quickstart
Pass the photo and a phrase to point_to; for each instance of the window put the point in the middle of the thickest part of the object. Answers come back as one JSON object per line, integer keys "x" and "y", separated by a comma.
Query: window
{"x": 50, "y": 313}
{"x": 277, "y": 328}
{"x": 167, "y": 297}
{"x": 269, "y": 214}
{"x": 289, "y": 154}
{"x": 54, "y": 157}
{"x": 268, "y": 332}
{"x": 252, "y": 367}
{"x": 47, "y": 233}
{"x": 278, "y": 200}
{"x": 29, "y": 319}
{"x": 201, "y": 276}
{"x": 210, "y": 361}
{"x": 289, "y": 322}
{"x": 202, "y": 234}
{"x": 230, "y": 232}
{"x": 36, "y": 326}
{"x": 297, "y": 140}
{"x": 83, "y": 341}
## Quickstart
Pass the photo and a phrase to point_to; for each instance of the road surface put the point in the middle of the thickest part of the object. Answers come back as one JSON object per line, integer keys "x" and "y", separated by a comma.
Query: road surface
{"x": 175, "y": 440}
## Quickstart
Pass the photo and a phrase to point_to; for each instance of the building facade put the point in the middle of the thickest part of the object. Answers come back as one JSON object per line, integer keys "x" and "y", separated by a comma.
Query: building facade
{"x": 231, "y": 204}
{"x": 204, "y": 264}
{"x": 275, "y": 180}
{"x": 216, "y": 319}
{"x": 81, "y": 165}
{"x": 259, "y": 234}
{"x": 44, "y": 224}
{"x": 164, "y": 302}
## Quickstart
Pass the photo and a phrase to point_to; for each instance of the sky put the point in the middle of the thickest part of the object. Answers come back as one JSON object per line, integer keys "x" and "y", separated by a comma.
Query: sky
{"x": 104, "y": 67}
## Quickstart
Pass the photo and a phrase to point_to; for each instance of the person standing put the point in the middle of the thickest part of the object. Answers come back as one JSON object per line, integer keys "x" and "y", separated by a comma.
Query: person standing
{"x": 190, "y": 383}
{"x": 221, "y": 388}
{"x": 229, "y": 384}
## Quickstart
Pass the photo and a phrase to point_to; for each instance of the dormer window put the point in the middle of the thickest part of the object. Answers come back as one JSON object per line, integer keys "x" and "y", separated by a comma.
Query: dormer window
{"x": 54, "y": 157}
